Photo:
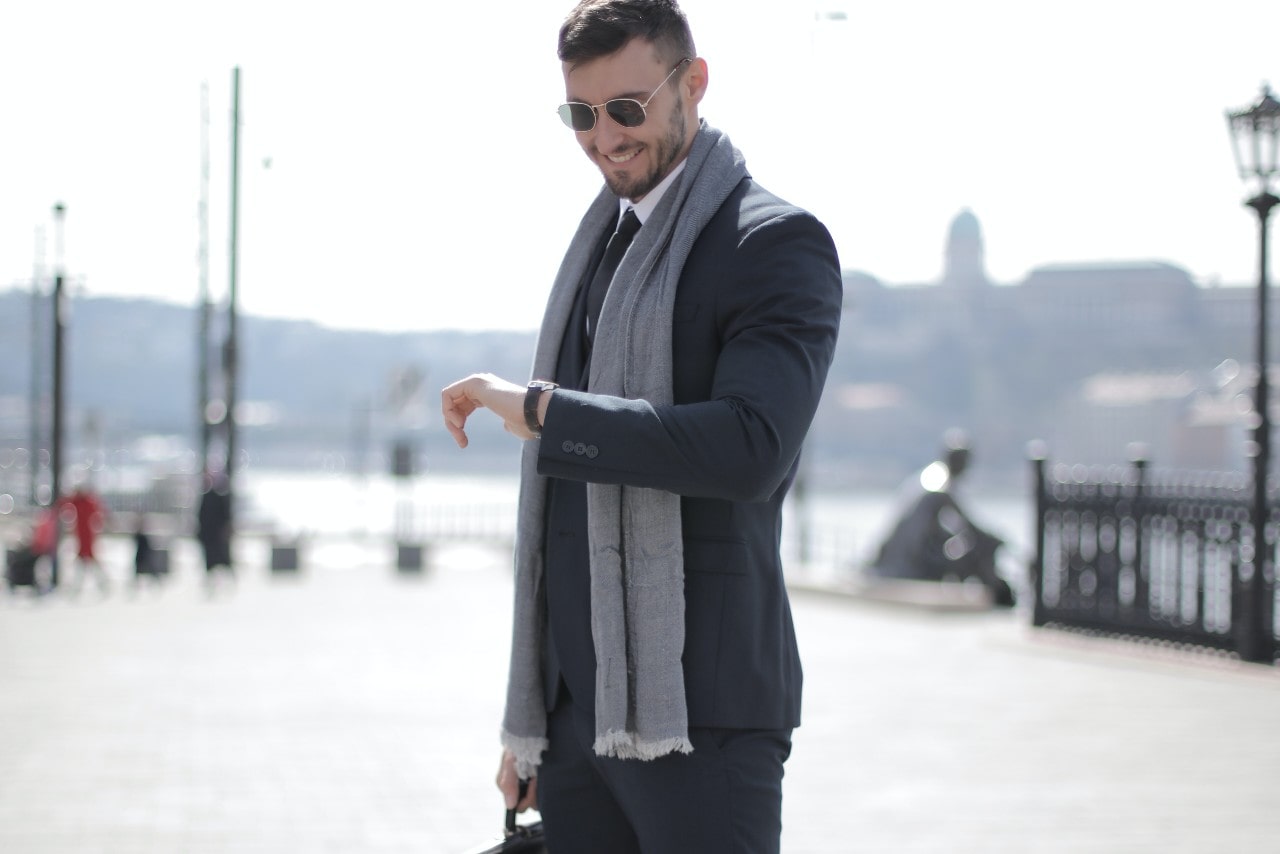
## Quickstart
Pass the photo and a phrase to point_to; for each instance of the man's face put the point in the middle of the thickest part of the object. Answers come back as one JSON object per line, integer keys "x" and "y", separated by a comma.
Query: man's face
{"x": 635, "y": 160}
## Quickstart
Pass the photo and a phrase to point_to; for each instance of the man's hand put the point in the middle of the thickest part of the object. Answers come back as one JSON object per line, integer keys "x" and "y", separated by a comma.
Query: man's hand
{"x": 483, "y": 391}
{"x": 509, "y": 785}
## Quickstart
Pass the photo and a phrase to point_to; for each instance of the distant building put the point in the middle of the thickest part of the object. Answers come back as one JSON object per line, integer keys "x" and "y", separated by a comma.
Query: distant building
{"x": 1092, "y": 357}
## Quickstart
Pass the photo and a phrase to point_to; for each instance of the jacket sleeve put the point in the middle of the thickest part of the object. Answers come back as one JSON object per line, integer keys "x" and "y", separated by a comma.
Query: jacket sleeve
{"x": 752, "y": 353}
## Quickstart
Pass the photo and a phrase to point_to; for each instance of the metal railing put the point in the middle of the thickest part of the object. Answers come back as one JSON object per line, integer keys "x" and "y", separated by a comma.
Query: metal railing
{"x": 1124, "y": 551}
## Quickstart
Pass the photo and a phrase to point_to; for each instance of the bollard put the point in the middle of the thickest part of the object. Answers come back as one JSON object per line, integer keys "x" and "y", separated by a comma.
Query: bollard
{"x": 160, "y": 561}
{"x": 284, "y": 557}
{"x": 410, "y": 557}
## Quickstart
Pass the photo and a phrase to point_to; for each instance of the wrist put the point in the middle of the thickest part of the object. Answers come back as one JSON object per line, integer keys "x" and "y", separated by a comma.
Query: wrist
{"x": 536, "y": 400}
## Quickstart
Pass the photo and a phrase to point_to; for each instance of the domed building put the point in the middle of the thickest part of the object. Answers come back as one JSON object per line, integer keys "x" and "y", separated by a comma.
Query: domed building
{"x": 965, "y": 266}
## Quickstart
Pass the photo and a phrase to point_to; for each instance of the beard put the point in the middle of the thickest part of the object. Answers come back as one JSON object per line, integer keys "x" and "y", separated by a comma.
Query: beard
{"x": 665, "y": 154}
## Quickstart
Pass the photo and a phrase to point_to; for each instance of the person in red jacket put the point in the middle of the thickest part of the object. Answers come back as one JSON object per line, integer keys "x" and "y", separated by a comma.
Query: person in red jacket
{"x": 44, "y": 536}
{"x": 86, "y": 514}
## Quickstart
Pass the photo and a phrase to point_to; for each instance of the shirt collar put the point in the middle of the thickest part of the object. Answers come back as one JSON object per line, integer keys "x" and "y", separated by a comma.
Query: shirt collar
{"x": 646, "y": 206}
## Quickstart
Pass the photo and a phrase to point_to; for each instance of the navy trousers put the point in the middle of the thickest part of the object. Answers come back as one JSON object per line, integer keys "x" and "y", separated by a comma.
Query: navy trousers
{"x": 725, "y": 796}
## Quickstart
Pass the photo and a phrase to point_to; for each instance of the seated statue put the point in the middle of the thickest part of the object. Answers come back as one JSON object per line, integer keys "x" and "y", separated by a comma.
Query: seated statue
{"x": 935, "y": 540}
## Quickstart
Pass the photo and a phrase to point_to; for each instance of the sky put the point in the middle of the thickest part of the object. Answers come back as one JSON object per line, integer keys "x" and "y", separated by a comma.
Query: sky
{"x": 403, "y": 168}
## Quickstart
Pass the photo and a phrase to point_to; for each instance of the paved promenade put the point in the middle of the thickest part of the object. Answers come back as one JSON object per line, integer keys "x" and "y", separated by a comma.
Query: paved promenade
{"x": 322, "y": 714}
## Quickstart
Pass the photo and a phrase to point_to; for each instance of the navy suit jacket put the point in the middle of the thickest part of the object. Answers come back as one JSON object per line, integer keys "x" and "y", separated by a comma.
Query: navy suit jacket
{"x": 755, "y": 320}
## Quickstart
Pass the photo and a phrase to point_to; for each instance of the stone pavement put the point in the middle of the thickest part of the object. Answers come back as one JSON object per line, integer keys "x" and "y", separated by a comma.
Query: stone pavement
{"x": 321, "y": 714}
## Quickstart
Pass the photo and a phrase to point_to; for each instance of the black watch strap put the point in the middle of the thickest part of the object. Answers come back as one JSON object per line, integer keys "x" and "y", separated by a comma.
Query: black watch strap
{"x": 531, "y": 396}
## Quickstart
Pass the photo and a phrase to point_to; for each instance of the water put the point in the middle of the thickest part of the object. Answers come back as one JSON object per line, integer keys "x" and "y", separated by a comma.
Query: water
{"x": 840, "y": 529}
{"x": 302, "y": 503}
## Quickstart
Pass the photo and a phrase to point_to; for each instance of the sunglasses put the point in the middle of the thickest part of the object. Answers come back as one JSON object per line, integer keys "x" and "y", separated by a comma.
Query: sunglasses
{"x": 627, "y": 112}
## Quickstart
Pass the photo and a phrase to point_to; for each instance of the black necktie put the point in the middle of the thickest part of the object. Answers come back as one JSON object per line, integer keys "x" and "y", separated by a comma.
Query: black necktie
{"x": 613, "y": 253}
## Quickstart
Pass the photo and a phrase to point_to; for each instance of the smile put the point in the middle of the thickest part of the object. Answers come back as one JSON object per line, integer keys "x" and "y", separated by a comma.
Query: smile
{"x": 622, "y": 158}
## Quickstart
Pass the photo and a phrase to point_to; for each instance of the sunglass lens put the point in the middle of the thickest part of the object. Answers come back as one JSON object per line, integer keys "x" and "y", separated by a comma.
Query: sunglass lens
{"x": 580, "y": 117}
{"x": 625, "y": 112}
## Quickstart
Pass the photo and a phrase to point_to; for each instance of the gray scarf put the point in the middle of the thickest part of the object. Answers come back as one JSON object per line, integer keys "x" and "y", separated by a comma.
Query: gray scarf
{"x": 634, "y": 535}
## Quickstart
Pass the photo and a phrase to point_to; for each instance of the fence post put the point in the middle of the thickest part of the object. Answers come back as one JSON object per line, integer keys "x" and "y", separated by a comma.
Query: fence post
{"x": 1141, "y": 572}
{"x": 1251, "y": 618}
{"x": 1037, "y": 454}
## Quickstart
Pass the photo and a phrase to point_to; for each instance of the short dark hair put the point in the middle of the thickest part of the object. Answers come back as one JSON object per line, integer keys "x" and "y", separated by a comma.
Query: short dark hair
{"x": 597, "y": 28}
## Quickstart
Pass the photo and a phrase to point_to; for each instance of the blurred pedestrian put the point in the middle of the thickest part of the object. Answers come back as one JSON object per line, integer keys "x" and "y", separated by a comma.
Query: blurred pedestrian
{"x": 213, "y": 529}
{"x": 44, "y": 537}
{"x": 87, "y": 517}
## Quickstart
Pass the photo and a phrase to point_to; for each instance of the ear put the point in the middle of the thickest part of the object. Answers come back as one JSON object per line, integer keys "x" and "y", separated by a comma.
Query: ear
{"x": 693, "y": 83}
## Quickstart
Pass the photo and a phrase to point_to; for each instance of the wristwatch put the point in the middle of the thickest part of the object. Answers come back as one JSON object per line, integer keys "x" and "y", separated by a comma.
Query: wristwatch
{"x": 531, "y": 396}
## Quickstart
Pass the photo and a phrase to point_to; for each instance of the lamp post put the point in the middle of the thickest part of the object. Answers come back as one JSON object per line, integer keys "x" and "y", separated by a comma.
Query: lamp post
{"x": 1255, "y": 137}
{"x": 59, "y": 383}
{"x": 230, "y": 350}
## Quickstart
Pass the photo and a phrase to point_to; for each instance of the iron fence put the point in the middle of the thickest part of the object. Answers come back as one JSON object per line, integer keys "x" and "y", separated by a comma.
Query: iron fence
{"x": 1127, "y": 551}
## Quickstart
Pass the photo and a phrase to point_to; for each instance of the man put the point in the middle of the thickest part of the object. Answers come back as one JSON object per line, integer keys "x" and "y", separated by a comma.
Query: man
{"x": 654, "y": 677}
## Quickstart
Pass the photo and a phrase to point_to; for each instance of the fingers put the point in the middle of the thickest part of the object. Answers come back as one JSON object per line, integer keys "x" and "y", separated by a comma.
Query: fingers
{"x": 457, "y": 402}
{"x": 508, "y": 782}
{"x": 483, "y": 391}
{"x": 530, "y": 800}
{"x": 455, "y": 422}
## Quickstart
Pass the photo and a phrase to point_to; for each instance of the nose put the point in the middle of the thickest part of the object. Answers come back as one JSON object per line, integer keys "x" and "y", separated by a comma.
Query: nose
{"x": 607, "y": 134}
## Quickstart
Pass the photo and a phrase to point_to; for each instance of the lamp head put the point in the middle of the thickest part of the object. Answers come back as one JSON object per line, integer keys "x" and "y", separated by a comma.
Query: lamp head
{"x": 1255, "y": 138}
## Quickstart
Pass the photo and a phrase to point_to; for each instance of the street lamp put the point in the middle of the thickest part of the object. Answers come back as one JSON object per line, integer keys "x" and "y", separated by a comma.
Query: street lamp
{"x": 1255, "y": 138}
{"x": 59, "y": 383}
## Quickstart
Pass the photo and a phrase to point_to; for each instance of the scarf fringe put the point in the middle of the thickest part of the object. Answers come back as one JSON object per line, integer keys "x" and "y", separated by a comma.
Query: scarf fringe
{"x": 626, "y": 745}
{"x": 528, "y": 752}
